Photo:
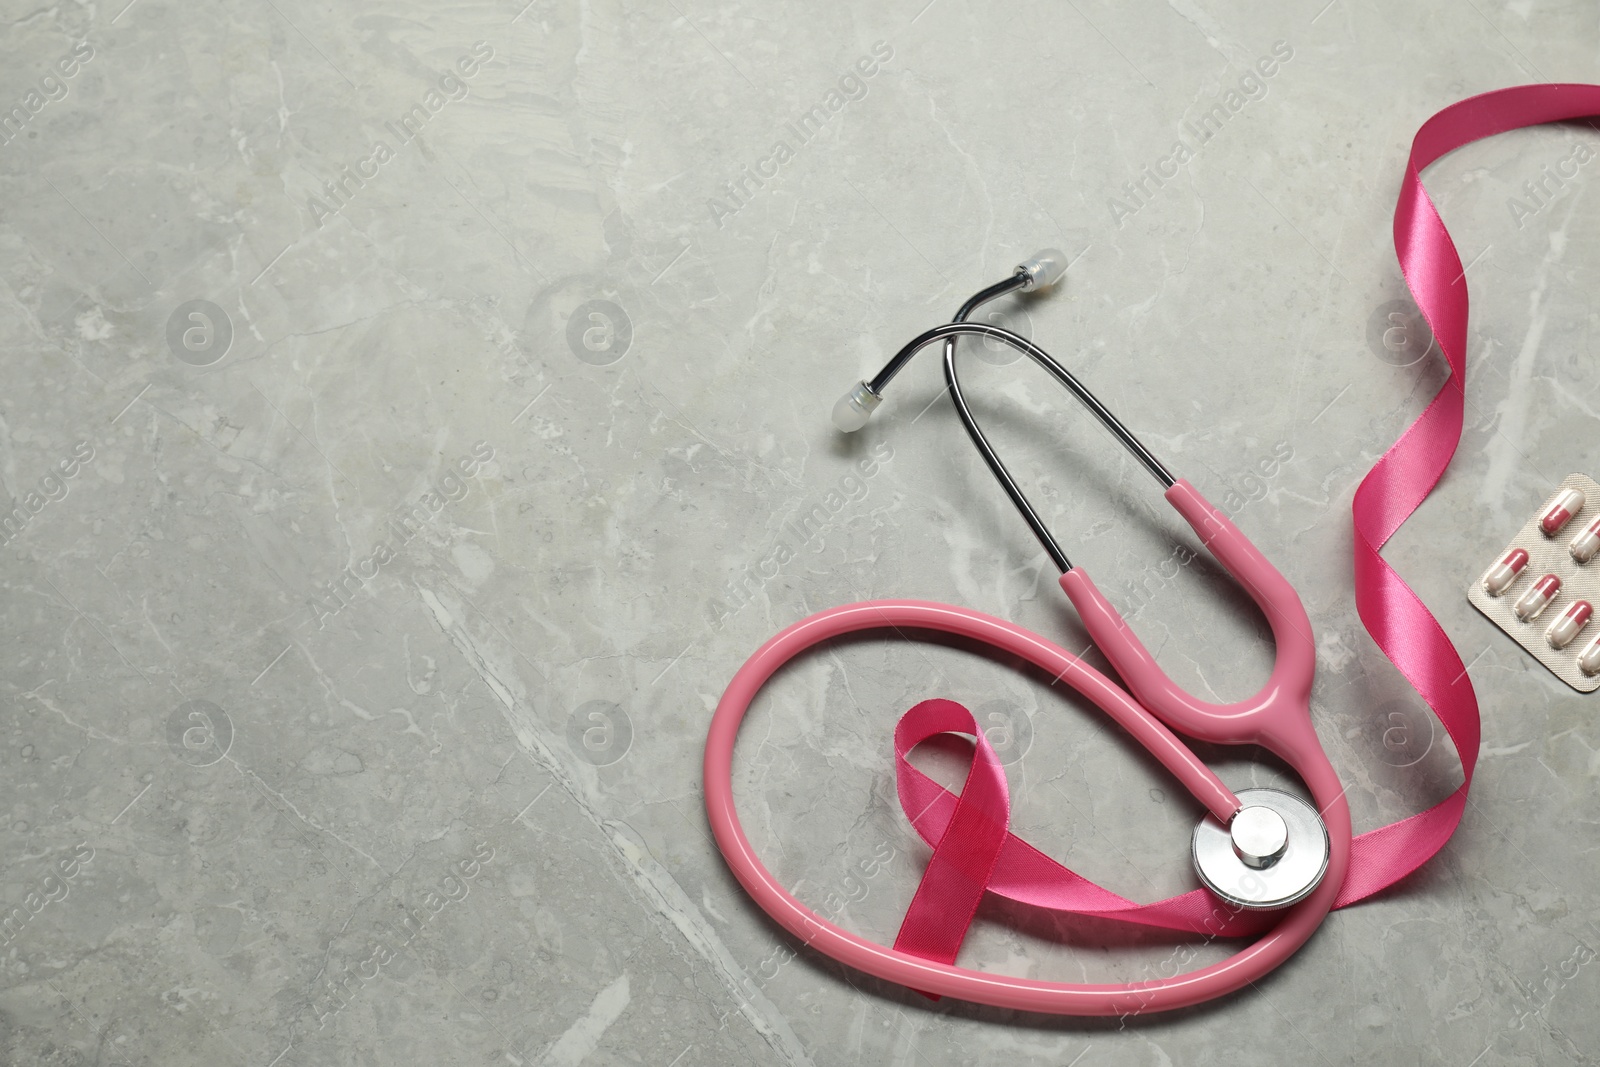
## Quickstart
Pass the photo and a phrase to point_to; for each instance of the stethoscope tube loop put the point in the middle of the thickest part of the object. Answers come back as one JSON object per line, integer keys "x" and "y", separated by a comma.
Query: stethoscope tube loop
{"x": 1249, "y": 964}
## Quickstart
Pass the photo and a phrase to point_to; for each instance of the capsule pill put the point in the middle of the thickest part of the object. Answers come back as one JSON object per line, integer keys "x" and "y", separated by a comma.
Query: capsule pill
{"x": 1567, "y": 503}
{"x": 1589, "y": 658}
{"x": 1586, "y": 544}
{"x": 1535, "y": 600}
{"x": 1502, "y": 574}
{"x": 1569, "y": 625}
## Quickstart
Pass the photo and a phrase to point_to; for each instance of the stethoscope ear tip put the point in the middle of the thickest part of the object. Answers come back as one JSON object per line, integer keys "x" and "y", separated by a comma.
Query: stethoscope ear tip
{"x": 1044, "y": 268}
{"x": 855, "y": 408}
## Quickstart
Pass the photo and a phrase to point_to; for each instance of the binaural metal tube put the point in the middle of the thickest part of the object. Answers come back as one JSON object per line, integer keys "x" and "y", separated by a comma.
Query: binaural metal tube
{"x": 1018, "y": 280}
{"x": 1041, "y": 270}
{"x": 1061, "y": 374}
{"x": 981, "y": 443}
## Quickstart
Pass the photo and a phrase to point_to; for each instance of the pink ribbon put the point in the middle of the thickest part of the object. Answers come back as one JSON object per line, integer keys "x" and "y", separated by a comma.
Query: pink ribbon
{"x": 975, "y": 853}
{"x": 1398, "y": 483}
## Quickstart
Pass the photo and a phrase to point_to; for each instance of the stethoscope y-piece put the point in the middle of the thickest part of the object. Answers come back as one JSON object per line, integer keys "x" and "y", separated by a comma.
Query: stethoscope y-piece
{"x": 1261, "y": 849}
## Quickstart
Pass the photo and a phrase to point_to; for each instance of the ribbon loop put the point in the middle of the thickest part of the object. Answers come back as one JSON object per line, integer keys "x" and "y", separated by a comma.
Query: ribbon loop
{"x": 974, "y": 851}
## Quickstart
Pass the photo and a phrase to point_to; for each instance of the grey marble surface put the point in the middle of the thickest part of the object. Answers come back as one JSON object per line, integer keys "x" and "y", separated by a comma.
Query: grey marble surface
{"x": 409, "y": 406}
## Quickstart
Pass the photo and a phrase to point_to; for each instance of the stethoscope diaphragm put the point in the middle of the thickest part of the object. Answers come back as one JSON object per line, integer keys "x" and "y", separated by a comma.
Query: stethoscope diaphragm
{"x": 1272, "y": 855}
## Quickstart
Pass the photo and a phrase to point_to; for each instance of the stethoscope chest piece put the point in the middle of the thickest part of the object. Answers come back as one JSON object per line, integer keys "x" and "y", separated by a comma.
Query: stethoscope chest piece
{"x": 1272, "y": 855}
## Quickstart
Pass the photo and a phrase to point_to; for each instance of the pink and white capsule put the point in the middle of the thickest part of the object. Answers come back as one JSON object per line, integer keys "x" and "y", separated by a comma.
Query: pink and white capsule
{"x": 1535, "y": 600}
{"x": 1569, "y": 625}
{"x": 1589, "y": 658}
{"x": 1502, "y": 574}
{"x": 1567, "y": 503}
{"x": 1586, "y": 544}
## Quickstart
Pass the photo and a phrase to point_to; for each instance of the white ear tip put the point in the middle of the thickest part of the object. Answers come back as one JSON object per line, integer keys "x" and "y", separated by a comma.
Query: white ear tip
{"x": 1044, "y": 268}
{"x": 855, "y": 408}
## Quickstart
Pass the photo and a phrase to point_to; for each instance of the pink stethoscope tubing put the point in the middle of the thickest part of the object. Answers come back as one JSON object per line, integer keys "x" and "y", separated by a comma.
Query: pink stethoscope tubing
{"x": 1277, "y": 718}
{"x": 1399, "y": 622}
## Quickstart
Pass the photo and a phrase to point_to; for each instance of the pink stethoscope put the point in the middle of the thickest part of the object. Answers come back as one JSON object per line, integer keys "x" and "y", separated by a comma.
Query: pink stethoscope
{"x": 1259, "y": 850}
{"x": 1263, "y": 856}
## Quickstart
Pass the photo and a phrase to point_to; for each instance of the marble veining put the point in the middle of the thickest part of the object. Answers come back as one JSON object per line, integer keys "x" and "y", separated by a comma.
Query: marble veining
{"x": 414, "y": 414}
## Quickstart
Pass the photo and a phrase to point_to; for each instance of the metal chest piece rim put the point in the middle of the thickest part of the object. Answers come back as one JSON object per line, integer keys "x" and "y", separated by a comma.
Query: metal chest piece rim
{"x": 1244, "y": 863}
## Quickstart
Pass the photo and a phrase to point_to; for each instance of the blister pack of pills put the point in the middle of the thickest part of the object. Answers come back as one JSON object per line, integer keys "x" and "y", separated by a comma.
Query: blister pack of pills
{"x": 1541, "y": 589}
